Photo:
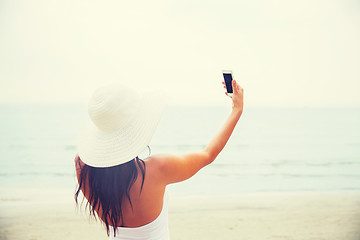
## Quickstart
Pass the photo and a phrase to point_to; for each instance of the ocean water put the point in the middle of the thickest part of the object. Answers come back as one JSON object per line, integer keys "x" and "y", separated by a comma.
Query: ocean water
{"x": 272, "y": 149}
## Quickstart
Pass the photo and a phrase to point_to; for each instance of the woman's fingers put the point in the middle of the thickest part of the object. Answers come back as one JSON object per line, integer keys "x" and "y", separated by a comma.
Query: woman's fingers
{"x": 235, "y": 86}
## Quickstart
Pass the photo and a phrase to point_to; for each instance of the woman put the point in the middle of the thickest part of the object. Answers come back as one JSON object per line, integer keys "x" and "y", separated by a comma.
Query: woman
{"x": 125, "y": 192}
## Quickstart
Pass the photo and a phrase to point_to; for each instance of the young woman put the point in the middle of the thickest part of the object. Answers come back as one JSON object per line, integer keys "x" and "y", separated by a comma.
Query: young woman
{"x": 127, "y": 193}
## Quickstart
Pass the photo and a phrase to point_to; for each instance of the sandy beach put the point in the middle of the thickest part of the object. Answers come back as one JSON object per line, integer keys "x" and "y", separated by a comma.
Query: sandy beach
{"x": 289, "y": 215}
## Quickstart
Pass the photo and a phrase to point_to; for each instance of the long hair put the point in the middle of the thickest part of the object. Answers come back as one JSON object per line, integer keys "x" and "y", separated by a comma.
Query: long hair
{"x": 108, "y": 187}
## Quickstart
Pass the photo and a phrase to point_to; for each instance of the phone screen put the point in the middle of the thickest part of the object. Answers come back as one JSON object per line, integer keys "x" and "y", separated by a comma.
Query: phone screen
{"x": 228, "y": 82}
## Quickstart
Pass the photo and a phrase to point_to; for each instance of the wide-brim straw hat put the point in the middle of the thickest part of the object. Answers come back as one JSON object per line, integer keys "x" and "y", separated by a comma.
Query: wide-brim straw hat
{"x": 123, "y": 123}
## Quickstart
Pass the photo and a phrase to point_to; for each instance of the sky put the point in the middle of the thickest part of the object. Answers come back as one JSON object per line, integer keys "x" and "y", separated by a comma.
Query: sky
{"x": 283, "y": 53}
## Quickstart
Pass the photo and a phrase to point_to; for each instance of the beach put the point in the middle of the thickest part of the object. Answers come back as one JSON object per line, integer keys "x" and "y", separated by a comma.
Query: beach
{"x": 49, "y": 214}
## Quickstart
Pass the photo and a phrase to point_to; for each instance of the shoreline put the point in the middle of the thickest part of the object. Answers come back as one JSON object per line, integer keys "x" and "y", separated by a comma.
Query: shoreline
{"x": 275, "y": 215}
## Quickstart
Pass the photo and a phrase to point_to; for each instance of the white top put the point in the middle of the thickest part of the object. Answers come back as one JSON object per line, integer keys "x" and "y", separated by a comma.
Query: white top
{"x": 155, "y": 230}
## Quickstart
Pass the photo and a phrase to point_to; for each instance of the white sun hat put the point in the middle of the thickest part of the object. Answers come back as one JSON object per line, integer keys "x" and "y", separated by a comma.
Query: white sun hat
{"x": 123, "y": 123}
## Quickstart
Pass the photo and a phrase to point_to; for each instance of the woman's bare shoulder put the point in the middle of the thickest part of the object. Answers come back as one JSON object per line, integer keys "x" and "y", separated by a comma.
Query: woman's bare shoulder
{"x": 155, "y": 168}
{"x": 158, "y": 161}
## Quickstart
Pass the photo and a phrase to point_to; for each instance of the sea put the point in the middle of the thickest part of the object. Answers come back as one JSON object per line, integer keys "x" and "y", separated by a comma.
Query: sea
{"x": 271, "y": 149}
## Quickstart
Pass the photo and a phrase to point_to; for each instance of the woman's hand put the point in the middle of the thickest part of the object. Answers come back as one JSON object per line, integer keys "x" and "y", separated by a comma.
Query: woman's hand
{"x": 237, "y": 96}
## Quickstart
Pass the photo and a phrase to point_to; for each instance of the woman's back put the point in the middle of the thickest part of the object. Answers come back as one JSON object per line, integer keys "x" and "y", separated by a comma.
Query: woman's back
{"x": 146, "y": 201}
{"x": 157, "y": 229}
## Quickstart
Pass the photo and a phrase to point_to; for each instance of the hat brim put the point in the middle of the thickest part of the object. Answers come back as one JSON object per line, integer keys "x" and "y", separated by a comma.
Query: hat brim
{"x": 106, "y": 149}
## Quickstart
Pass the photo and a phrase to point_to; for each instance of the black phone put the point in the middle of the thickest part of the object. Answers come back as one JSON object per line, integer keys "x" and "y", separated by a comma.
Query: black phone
{"x": 228, "y": 80}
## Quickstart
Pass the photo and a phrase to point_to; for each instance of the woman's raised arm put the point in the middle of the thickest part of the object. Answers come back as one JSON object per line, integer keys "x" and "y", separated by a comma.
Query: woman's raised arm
{"x": 177, "y": 168}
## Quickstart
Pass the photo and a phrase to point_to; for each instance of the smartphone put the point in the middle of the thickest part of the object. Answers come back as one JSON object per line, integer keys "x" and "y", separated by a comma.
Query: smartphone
{"x": 228, "y": 81}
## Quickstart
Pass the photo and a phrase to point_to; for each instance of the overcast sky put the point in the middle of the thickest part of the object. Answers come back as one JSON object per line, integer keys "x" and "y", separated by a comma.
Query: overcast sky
{"x": 284, "y": 53}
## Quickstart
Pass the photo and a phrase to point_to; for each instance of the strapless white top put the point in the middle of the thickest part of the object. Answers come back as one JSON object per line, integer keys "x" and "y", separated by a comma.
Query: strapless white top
{"x": 155, "y": 230}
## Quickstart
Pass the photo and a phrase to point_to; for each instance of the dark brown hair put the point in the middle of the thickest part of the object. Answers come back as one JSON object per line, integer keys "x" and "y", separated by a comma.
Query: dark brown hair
{"x": 108, "y": 187}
